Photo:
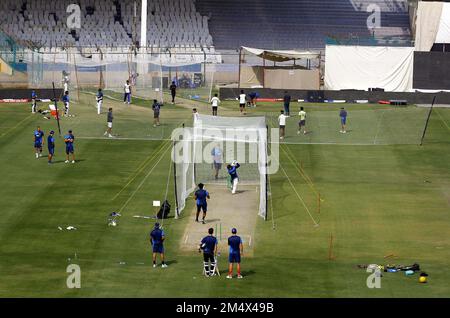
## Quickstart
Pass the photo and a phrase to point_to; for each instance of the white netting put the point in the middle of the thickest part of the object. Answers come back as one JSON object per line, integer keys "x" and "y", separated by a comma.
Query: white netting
{"x": 214, "y": 142}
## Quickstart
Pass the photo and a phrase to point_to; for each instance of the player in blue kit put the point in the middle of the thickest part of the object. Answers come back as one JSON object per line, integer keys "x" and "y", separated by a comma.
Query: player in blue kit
{"x": 343, "y": 115}
{"x": 33, "y": 102}
{"x": 69, "y": 139}
{"x": 209, "y": 247}
{"x": 157, "y": 238}
{"x": 51, "y": 146}
{"x": 66, "y": 102}
{"x": 200, "y": 197}
{"x": 234, "y": 178}
{"x": 236, "y": 250}
{"x": 38, "y": 142}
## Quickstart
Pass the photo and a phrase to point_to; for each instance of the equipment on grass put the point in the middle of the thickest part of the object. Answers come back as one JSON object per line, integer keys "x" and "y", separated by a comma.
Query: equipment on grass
{"x": 164, "y": 210}
{"x": 112, "y": 220}
{"x": 422, "y": 279}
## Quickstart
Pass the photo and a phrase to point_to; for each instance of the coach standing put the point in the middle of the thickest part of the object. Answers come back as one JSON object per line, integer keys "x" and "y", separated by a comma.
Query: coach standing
{"x": 173, "y": 91}
{"x": 236, "y": 250}
{"x": 157, "y": 240}
{"x": 209, "y": 247}
{"x": 287, "y": 102}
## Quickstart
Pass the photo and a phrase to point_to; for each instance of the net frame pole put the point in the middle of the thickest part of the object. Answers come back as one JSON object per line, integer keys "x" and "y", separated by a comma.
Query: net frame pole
{"x": 428, "y": 119}
{"x": 177, "y": 209}
{"x": 267, "y": 177}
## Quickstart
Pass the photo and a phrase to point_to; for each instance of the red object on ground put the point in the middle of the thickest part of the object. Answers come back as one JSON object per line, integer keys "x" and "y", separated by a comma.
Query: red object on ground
{"x": 384, "y": 102}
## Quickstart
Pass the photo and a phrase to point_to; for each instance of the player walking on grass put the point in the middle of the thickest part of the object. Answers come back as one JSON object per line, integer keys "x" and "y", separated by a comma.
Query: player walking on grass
{"x": 215, "y": 101}
{"x": 156, "y": 110}
{"x": 242, "y": 101}
{"x": 157, "y": 238}
{"x": 200, "y": 197}
{"x": 195, "y": 115}
{"x": 173, "y": 91}
{"x": 33, "y": 102}
{"x": 236, "y": 251}
{"x": 209, "y": 247}
{"x": 302, "y": 122}
{"x": 287, "y": 102}
{"x": 282, "y": 124}
{"x": 109, "y": 123}
{"x": 127, "y": 93}
{"x": 99, "y": 98}
{"x": 234, "y": 178}
{"x": 69, "y": 139}
{"x": 66, "y": 102}
{"x": 343, "y": 115}
{"x": 38, "y": 142}
{"x": 51, "y": 146}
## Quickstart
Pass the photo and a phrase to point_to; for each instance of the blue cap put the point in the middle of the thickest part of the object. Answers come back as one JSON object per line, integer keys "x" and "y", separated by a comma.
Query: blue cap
{"x": 52, "y": 132}
{"x": 156, "y": 225}
{"x": 233, "y": 230}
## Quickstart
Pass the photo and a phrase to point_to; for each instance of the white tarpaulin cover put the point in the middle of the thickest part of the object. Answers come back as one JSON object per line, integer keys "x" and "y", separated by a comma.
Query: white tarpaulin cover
{"x": 281, "y": 55}
{"x": 361, "y": 67}
{"x": 427, "y": 24}
{"x": 443, "y": 34}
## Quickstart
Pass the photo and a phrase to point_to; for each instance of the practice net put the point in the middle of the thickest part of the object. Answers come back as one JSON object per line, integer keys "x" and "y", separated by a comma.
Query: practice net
{"x": 201, "y": 155}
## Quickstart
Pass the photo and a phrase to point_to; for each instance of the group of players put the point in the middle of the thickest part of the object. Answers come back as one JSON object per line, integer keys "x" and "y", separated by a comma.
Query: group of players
{"x": 209, "y": 246}
{"x": 302, "y": 122}
{"x": 69, "y": 139}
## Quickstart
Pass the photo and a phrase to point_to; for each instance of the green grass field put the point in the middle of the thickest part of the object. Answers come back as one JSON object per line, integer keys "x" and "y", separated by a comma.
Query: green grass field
{"x": 382, "y": 194}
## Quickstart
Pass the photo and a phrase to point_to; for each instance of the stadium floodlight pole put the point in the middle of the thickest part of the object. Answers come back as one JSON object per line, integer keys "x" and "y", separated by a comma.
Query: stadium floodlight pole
{"x": 56, "y": 108}
{"x": 144, "y": 24}
{"x": 428, "y": 119}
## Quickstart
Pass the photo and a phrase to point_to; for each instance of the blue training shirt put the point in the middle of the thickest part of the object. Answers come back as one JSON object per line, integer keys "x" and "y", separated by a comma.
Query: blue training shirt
{"x": 38, "y": 136}
{"x": 343, "y": 113}
{"x": 65, "y": 98}
{"x": 156, "y": 236}
{"x": 68, "y": 139}
{"x": 209, "y": 244}
{"x": 201, "y": 194}
{"x": 234, "y": 242}
{"x": 33, "y": 95}
{"x": 233, "y": 171}
{"x": 50, "y": 141}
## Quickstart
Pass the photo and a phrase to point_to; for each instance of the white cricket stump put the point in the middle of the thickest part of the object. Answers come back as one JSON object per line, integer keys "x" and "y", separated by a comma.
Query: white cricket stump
{"x": 225, "y": 211}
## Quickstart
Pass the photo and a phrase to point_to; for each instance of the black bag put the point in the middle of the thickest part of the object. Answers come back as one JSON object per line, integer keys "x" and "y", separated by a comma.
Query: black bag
{"x": 164, "y": 210}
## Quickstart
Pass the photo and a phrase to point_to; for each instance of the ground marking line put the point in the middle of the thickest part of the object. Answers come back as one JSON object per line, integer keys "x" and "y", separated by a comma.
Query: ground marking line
{"x": 378, "y": 128}
{"x": 20, "y": 122}
{"x": 298, "y": 195}
{"x": 142, "y": 182}
{"x": 302, "y": 172}
{"x": 140, "y": 168}
{"x": 442, "y": 119}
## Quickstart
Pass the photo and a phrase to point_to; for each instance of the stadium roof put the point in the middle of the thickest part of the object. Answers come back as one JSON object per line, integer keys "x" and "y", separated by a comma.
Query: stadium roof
{"x": 281, "y": 55}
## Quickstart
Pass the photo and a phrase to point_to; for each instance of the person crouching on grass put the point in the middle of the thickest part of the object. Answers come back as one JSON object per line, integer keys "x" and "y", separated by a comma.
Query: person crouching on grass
{"x": 156, "y": 109}
{"x": 209, "y": 247}
{"x": 157, "y": 240}
{"x": 236, "y": 251}
{"x": 200, "y": 197}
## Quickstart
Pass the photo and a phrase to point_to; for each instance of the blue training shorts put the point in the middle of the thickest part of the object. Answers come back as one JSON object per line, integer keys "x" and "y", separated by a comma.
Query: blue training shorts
{"x": 343, "y": 120}
{"x": 69, "y": 149}
{"x": 234, "y": 258}
{"x": 37, "y": 144}
{"x": 51, "y": 151}
{"x": 158, "y": 248}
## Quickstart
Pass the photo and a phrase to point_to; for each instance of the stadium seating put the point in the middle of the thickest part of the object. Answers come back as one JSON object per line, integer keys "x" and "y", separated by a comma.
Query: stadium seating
{"x": 288, "y": 24}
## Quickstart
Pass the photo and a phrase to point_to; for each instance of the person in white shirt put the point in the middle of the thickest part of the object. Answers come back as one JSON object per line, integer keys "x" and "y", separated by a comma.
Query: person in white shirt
{"x": 282, "y": 124}
{"x": 242, "y": 100}
{"x": 215, "y": 101}
{"x": 195, "y": 115}
{"x": 302, "y": 122}
{"x": 99, "y": 98}
{"x": 127, "y": 93}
